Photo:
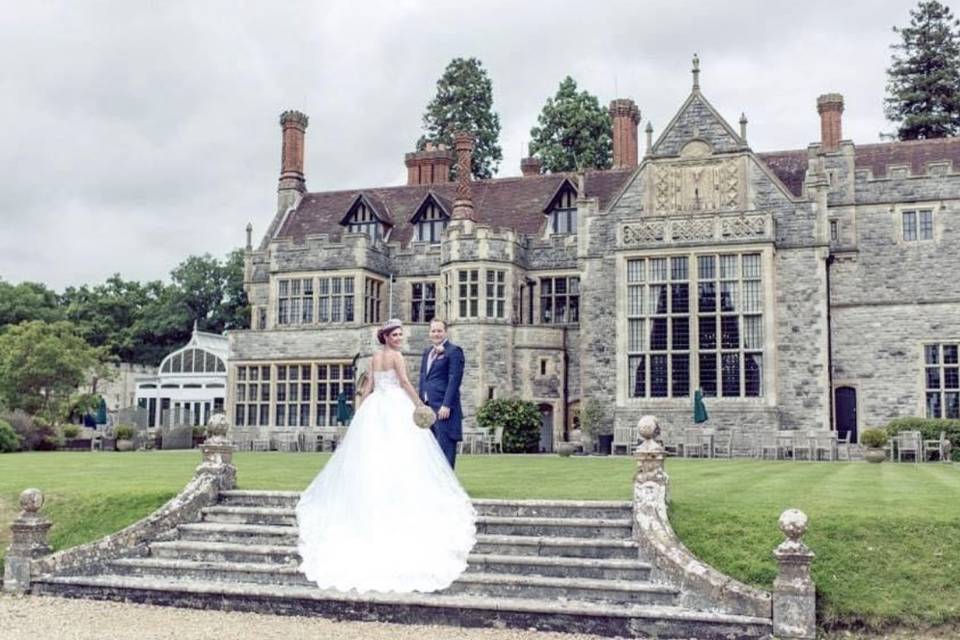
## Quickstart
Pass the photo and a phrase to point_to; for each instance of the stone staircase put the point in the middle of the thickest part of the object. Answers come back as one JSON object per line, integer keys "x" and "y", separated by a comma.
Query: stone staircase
{"x": 549, "y": 565}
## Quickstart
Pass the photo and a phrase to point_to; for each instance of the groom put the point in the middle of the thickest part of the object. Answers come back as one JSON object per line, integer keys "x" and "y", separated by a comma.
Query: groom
{"x": 441, "y": 370}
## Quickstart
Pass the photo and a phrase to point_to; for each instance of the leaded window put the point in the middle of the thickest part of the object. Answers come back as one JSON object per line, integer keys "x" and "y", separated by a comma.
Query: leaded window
{"x": 431, "y": 224}
{"x": 371, "y": 300}
{"x": 496, "y": 293}
{"x": 563, "y": 217}
{"x": 293, "y": 394}
{"x": 335, "y": 299}
{"x": 695, "y": 321}
{"x": 423, "y": 301}
{"x": 295, "y": 301}
{"x": 334, "y": 386}
{"x": 252, "y": 396}
{"x": 363, "y": 220}
{"x": 917, "y": 225}
{"x": 560, "y": 300}
{"x": 468, "y": 290}
{"x": 942, "y": 380}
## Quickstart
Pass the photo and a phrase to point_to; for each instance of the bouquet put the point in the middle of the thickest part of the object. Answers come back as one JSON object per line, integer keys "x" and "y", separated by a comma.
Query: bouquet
{"x": 424, "y": 416}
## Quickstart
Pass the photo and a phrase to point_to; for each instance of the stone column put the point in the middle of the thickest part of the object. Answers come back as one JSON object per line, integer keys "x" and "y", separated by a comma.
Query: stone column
{"x": 28, "y": 541}
{"x": 794, "y": 594}
{"x": 218, "y": 453}
{"x": 649, "y": 455}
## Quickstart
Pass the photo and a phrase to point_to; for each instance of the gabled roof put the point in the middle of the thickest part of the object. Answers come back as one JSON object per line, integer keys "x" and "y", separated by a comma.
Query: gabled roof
{"x": 445, "y": 205}
{"x": 790, "y": 166}
{"x": 697, "y": 120}
{"x": 515, "y": 203}
{"x": 563, "y": 187}
{"x": 373, "y": 203}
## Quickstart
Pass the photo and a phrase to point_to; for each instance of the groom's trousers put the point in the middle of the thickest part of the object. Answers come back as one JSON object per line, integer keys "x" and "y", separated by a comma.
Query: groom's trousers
{"x": 447, "y": 445}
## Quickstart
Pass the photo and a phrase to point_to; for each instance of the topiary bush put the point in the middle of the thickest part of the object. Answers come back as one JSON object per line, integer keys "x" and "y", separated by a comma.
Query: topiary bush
{"x": 930, "y": 429}
{"x": 9, "y": 440}
{"x": 124, "y": 432}
{"x": 873, "y": 438}
{"x": 520, "y": 421}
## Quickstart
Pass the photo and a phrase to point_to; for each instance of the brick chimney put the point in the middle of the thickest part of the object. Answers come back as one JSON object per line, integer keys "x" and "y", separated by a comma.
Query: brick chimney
{"x": 463, "y": 203}
{"x": 830, "y": 108}
{"x": 430, "y": 166}
{"x": 626, "y": 117}
{"x": 530, "y": 166}
{"x": 294, "y": 126}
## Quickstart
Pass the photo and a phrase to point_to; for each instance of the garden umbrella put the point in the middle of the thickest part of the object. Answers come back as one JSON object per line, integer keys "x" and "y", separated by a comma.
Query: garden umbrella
{"x": 102, "y": 412}
{"x": 699, "y": 408}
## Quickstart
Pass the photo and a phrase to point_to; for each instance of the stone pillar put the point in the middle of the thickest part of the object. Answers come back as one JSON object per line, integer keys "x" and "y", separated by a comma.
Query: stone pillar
{"x": 28, "y": 541}
{"x": 218, "y": 453}
{"x": 794, "y": 594}
{"x": 743, "y": 127}
{"x": 626, "y": 116}
{"x": 830, "y": 108}
{"x": 650, "y": 454}
{"x": 463, "y": 203}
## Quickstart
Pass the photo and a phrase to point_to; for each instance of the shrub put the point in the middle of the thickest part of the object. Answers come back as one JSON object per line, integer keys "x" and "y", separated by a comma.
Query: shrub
{"x": 34, "y": 433}
{"x": 593, "y": 419}
{"x": 930, "y": 429}
{"x": 70, "y": 431}
{"x": 124, "y": 432}
{"x": 199, "y": 432}
{"x": 9, "y": 440}
{"x": 873, "y": 438}
{"x": 520, "y": 421}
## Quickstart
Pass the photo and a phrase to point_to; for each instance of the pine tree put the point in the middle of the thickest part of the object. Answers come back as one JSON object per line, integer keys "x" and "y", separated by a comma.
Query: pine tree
{"x": 464, "y": 102}
{"x": 573, "y": 131}
{"x": 923, "y": 91}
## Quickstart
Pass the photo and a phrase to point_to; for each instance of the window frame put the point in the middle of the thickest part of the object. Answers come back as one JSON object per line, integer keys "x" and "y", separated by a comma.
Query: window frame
{"x": 946, "y": 369}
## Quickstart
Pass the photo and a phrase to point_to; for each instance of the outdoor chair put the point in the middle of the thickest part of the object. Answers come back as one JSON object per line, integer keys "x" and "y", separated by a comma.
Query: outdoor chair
{"x": 671, "y": 443}
{"x": 260, "y": 443}
{"x": 908, "y": 442}
{"x": 723, "y": 444}
{"x": 285, "y": 441}
{"x": 824, "y": 445}
{"x": 939, "y": 447}
{"x": 696, "y": 443}
{"x": 625, "y": 437}
{"x": 843, "y": 447}
{"x": 745, "y": 442}
{"x": 803, "y": 446}
{"x": 769, "y": 442}
{"x": 494, "y": 441}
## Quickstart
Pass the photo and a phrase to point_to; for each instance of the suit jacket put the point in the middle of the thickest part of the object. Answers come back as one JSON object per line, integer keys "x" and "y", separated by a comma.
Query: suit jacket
{"x": 441, "y": 387}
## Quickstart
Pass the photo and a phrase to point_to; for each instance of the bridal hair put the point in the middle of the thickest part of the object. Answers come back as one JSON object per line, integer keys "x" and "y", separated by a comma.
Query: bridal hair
{"x": 388, "y": 326}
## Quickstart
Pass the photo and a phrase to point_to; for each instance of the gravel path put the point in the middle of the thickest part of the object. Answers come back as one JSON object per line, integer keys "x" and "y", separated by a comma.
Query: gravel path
{"x": 34, "y": 617}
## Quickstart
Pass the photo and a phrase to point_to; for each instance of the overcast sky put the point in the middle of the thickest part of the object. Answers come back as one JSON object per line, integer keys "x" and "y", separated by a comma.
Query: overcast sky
{"x": 134, "y": 134}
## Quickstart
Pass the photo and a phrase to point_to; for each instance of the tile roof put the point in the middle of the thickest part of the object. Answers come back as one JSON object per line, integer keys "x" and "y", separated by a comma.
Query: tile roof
{"x": 516, "y": 203}
{"x": 913, "y": 153}
{"x": 789, "y": 166}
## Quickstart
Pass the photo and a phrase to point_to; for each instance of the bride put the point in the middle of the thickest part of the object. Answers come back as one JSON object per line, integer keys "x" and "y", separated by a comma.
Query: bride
{"x": 386, "y": 513}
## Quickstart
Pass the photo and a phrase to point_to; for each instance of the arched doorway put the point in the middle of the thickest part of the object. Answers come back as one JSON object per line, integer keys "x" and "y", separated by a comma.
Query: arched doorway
{"x": 845, "y": 407}
{"x": 546, "y": 428}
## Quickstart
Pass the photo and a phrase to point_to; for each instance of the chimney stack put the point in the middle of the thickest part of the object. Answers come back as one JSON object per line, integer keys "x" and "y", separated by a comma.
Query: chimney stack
{"x": 530, "y": 166}
{"x": 463, "y": 203}
{"x": 430, "y": 166}
{"x": 830, "y": 108}
{"x": 294, "y": 126}
{"x": 626, "y": 117}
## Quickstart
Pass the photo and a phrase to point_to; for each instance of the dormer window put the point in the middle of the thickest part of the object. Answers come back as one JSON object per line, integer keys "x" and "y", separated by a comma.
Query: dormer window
{"x": 363, "y": 220}
{"x": 562, "y": 210}
{"x": 430, "y": 219}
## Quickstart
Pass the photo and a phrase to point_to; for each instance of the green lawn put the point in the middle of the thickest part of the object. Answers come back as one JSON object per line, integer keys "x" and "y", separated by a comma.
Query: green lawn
{"x": 887, "y": 536}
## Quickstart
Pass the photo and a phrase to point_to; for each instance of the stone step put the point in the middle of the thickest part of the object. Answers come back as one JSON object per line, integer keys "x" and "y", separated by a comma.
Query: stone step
{"x": 558, "y": 567}
{"x": 634, "y": 621}
{"x": 251, "y": 572}
{"x": 259, "y": 534}
{"x": 552, "y": 546}
{"x": 594, "y": 528}
{"x": 498, "y": 585}
{"x": 276, "y": 516}
{"x": 607, "y": 510}
{"x": 224, "y": 552}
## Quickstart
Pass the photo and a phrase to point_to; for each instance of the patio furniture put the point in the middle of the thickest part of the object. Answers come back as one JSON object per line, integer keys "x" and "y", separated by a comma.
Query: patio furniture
{"x": 824, "y": 445}
{"x": 672, "y": 444}
{"x": 843, "y": 447}
{"x": 723, "y": 444}
{"x": 769, "y": 442}
{"x": 910, "y": 443}
{"x": 745, "y": 442}
{"x": 625, "y": 437}
{"x": 802, "y": 445}
{"x": 494, "y": 441}
{"x": 785, "y": 444}
{"x": 697, "y": 443}
{"x": 939, "y": 447}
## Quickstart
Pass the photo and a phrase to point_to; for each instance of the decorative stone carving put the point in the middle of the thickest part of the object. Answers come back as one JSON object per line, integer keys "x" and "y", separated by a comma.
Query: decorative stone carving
{"x": 28, "y": 540}
{"x": 743, "y": 227}
{"x": 704, "y": 185}
{"x": 650, "y": 454}
{"x": 643, "y": 233}
{"x": 218, "y": 453}
{"x": 692, "y": 229}
{"x": 794, "y": 594}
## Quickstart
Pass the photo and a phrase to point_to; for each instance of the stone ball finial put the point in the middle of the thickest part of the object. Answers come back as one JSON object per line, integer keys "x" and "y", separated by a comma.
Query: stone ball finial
{"x": 218, "y": 425}
{"x": 648, "y": 427}
{"x": 793, "y": 524}
{"x": 31, "y": 500}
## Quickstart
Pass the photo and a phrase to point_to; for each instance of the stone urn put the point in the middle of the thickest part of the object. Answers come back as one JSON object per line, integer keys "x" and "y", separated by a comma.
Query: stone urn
{"x": 874, "y": 455}
{"x": 124, "y": 445}
{"x": 566, "y": 449}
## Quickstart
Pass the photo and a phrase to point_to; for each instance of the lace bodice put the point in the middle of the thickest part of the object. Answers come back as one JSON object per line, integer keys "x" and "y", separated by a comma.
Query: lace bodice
{"x": 384, "y": 379}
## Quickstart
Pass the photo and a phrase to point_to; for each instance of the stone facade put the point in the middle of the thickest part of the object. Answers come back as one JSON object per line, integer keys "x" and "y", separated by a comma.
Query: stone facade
{"x": 769, "y": 280}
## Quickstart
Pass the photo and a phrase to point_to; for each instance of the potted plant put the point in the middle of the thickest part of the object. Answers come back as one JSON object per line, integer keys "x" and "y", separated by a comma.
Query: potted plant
{"x": 124, "y": 438}
{"x": 199, "y": 436}
{"x": 595, "y": 428}
{"x": 873, "y": 442}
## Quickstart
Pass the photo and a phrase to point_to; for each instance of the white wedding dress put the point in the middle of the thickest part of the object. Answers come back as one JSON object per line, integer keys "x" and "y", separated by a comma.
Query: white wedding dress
{"x": 386, "y": 513}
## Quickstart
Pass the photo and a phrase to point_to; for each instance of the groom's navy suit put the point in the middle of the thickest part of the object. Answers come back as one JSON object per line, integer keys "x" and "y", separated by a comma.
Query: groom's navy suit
{"x": 440, "y": 386}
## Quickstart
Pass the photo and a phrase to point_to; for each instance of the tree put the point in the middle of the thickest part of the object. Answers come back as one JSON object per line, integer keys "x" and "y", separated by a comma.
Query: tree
{"x": 464, "y": 102}
{"x": 42, "y": 365}
{"x": 27, "y": 301}
{"x": 573, "y": 131}
{"x": 520, "y": 421}
{"x": 923, "y": 89}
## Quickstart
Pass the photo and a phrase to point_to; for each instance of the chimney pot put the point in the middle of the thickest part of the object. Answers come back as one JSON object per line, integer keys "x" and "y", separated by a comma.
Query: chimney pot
{"x": 294, "y": 124}
{"x": 530, "y": 166}
{"x": 463, "y": 204}
{"x": 626, "y": 116}
{"x": 429, "y": 166}
{"x": 830, "y": 108}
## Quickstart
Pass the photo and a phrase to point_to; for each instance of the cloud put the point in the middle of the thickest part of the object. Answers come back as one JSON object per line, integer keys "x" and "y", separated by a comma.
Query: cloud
{"x": 137, "y": 135}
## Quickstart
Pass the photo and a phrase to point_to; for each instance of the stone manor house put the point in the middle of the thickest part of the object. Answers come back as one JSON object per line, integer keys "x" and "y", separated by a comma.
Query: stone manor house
{"x": 814, "y": 288}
